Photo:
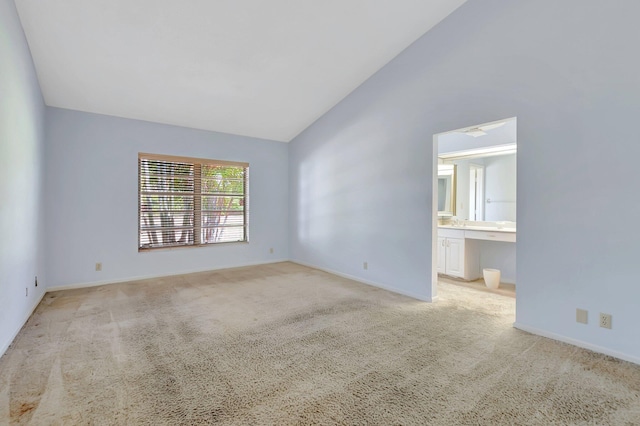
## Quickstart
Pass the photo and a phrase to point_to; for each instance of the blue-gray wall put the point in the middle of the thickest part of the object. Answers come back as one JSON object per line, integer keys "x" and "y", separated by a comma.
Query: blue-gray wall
{"x": 21, "y": 142}
{"x": 92, "y": 194}
{"x": 360, "y": 177}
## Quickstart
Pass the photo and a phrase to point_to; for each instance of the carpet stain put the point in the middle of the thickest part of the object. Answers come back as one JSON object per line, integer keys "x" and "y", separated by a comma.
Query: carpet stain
{"x": 25, "y": 407}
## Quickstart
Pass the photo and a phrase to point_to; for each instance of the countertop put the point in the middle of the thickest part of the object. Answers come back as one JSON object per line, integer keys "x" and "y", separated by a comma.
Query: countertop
{"x": 478, "y": 228}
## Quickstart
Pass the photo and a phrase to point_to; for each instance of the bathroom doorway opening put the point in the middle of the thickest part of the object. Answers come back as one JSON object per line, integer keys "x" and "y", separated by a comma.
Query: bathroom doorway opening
{"x": 474, "y": 220}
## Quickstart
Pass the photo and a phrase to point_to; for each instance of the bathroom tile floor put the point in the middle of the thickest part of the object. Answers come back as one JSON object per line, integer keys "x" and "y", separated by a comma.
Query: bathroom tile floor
{"x": 504, "y": 289}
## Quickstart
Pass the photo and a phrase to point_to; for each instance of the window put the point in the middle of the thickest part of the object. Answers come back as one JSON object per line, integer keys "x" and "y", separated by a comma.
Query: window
{"x": 191, "y": 201}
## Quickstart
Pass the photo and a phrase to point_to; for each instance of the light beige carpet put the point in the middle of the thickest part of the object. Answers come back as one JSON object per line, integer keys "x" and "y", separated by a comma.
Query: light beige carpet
{"x": 284, "y": 344}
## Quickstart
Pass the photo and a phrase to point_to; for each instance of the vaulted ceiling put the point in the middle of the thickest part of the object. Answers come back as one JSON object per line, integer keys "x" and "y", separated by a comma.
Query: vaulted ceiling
{"x": 266, "y": 69}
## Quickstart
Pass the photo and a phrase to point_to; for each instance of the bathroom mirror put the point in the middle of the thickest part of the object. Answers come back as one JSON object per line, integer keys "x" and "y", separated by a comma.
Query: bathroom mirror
{"x": 446, "y": 190}
{"x": 486, "y": 187}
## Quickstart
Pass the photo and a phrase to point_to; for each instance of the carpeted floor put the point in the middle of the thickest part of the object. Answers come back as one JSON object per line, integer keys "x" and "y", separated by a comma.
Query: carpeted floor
{"x": 284, "y": 344}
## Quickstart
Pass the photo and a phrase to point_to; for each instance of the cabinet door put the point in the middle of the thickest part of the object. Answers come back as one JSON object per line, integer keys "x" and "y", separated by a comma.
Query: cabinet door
{"x": 455, "y": 257}
{"x": 442, "y": 255}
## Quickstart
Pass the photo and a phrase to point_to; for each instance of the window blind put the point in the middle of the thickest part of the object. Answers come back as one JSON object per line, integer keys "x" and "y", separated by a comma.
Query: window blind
{"x": 186, "y": 201}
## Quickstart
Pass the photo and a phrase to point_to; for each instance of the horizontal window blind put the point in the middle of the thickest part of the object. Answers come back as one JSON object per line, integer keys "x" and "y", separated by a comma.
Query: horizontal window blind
{"x": 186, "y": 201}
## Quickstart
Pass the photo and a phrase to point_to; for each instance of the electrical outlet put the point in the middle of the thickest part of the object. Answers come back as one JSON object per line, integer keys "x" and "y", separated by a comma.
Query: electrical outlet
{"x": 605, "y": 320}
{"x": 99, "y": 266}
{"x": 26, "y": 292}
{"x": 271, "y": 250}
{"x": 365, "y": 265}
{"x": 582, "y": 316}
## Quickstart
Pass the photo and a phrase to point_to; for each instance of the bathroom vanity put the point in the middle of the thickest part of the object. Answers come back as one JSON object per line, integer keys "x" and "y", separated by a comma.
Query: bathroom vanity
{"x": 459, "y": 247}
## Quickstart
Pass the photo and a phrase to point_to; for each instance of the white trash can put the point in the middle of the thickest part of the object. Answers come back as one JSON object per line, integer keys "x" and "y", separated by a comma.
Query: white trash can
{"x": 491, "y": 278}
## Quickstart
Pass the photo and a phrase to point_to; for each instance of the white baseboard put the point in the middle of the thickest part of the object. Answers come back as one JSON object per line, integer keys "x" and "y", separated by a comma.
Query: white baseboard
{"x": 6, "y": 345}
{"x": 368, "y": 282}
{"x": 579, "y": 343}
{"x": 146, "y": 277}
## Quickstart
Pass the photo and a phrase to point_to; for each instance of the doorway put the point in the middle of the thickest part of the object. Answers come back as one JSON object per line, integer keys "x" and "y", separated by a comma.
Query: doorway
{"x": 474, "y": 221}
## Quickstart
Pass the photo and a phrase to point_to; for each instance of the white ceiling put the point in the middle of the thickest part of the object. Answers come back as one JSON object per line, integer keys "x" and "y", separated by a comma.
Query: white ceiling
{"x": 258, "y": 68}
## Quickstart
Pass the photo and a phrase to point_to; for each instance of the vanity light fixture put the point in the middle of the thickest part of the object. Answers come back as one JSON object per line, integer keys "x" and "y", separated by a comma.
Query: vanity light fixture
{"x": 505, "y": 149}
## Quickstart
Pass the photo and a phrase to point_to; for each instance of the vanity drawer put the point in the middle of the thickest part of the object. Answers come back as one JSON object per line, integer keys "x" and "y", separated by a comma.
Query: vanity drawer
{"x": 450, "y": 233}
{"x": 509, "y": 237}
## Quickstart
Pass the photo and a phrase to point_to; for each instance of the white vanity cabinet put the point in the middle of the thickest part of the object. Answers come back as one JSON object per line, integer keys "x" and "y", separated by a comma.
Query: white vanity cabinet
{"x": 457, "y": 257}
